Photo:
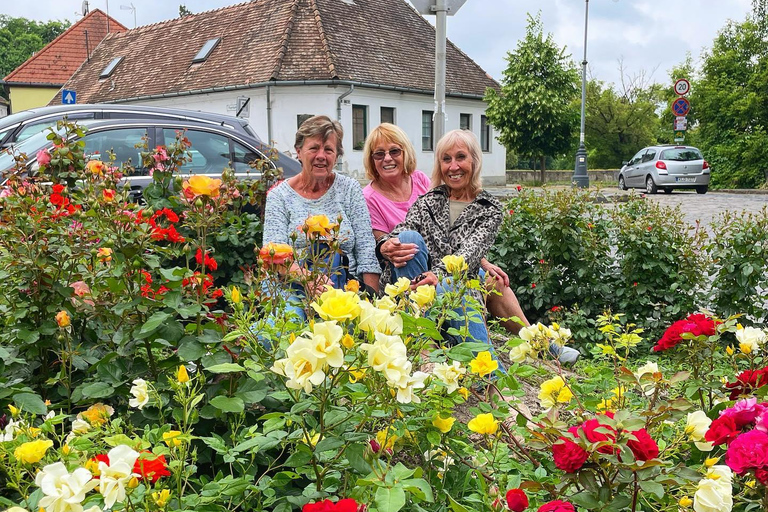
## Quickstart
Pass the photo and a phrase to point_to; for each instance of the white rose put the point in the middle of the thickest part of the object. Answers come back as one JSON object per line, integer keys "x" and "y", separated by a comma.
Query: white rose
{"x": 520, "y": 353}
{"x": 696, "y": 425}
{"x": 140, "y": 394}
{"x": 405, "y": 394}
{"x": 751, "y": 337}
{"x": 714, "y": 493}
{"x": 64, "y": 491}
{"x": 115, "y": 476}
{"x": 450, "y": 374}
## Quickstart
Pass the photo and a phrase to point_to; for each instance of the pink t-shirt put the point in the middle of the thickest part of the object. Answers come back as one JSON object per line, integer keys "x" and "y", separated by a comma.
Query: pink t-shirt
{"x": 385, "y": 213}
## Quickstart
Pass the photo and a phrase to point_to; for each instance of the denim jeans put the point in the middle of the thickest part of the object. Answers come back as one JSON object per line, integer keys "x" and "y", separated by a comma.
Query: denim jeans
{"x": 419, "y": 264}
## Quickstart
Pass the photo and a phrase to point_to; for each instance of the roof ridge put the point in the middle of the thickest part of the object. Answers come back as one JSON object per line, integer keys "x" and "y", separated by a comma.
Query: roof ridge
{"x": 323, "y": 39}
{"x": 69, "y": 29}
{"x": 283, "y": 47}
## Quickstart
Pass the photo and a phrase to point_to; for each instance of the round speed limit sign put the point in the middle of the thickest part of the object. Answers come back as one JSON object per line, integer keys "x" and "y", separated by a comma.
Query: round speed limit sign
{"x": 682, "y": 87}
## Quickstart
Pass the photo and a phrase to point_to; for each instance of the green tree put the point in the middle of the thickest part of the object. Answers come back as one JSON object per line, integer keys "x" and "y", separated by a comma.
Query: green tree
{"x": 732, "y": 107}
{"x": 667, "y": 95}
{"x": 619, "y": 121}
{"x": 20, "y": 38}
{"x": 534, "y": 112}
{"x": 183, "y": 11}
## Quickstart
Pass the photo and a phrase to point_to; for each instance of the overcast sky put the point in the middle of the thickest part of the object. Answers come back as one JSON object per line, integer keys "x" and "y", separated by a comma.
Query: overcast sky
{"x": 648, "y": 36}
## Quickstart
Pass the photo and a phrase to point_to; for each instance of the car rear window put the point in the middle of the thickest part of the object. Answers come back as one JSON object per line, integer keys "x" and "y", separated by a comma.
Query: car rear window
{"x": 681, "y": 154}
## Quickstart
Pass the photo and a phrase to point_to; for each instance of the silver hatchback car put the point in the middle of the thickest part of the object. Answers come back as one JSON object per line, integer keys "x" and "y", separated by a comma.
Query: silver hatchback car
{"x": 666, "y": 168}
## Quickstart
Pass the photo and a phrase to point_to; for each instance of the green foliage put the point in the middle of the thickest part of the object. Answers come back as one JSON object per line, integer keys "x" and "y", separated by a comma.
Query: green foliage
{"x": 534, "y": 111}
{"x": 20, "y": 38}
{"x": 731, "y": 106}
{"x": 619, "y": 123}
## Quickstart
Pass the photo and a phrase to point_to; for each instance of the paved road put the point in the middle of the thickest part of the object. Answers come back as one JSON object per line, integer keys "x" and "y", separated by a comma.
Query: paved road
{"x": 694, "y": 206}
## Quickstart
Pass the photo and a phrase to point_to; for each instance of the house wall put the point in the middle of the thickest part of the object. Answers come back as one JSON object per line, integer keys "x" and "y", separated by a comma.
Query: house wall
{"x": 24, "y": 98}
{"x": 3, "y": 109}
{"x": 289, "y": 102}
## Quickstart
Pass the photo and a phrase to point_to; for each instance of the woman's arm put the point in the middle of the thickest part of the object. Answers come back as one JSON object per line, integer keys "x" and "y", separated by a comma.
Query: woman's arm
{"x": 276, "y": 218}
{"x": 359, "y": 218}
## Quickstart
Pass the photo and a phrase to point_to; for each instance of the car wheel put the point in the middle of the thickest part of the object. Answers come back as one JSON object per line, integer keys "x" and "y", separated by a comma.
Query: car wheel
{"x": 650, "y": 186}
{"x": 667, "y": 190}
{"x": 702, "y": 189}
{"x": 622, "y": 183}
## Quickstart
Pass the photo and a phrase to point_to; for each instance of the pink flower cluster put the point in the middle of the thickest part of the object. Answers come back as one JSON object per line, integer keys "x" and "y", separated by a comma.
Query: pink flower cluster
{"x": 696, "y": 324}
{"x": 744, "y": 429}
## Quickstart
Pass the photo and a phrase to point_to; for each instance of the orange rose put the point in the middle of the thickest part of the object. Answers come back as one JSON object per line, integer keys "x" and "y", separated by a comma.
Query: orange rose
{"x": 108, "y": 195}
{"x": 62, "y": 318}
{"x": 104, "y": 254}
{"x": 202, "y": 186}
{"x": 95, "y": 167}
{"x": 352, "y": 286}
{"x": 276, "y": 254}
{"x": 318, "y": 225}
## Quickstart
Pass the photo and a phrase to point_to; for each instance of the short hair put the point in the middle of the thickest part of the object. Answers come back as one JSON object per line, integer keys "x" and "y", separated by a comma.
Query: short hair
{"x": 388, "y": 133}
{"x": 320, "y": 125}
{"x": 448, "y": 141}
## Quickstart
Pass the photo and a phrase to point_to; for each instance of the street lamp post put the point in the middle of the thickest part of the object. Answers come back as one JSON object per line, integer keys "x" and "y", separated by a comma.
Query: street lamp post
{"x": 580, "y": 176}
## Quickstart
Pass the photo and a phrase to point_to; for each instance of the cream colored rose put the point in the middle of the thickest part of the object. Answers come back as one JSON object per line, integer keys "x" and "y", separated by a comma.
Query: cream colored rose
{"x": 521, "y": 352}
{"x": 450, "y": 375}
{"x": 754, "y": 338}
{"x": 714, "y": 493}
{"x": 140, "y": 394}
{"x": 696, "y": 426}
{"x": 400, "y": 286}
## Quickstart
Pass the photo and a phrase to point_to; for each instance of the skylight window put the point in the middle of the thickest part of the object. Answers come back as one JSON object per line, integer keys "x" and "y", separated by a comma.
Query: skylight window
{"x": 111, "y": 67}
{"x": 206, "y": 50}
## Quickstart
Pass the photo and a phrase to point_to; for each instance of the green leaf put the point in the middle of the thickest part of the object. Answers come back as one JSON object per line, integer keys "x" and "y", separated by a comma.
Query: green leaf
{"x": 227, "y": 404}
{"x": 329, "y": 443}
{"x": 190, "y": 349}
{"x": 455, "y": 505}
{"x": 98, "y": 390}
{"x": 652, "y": 487}
{"x": 155, "y": 321}
{"x": 585, "y": 499}
{"x": 30, "y": 402}
{"x": 225, "y": 368}
{"x": 300, "y": 457}
{"x": 420, "y": 488}
{"x": 389, "y": 499}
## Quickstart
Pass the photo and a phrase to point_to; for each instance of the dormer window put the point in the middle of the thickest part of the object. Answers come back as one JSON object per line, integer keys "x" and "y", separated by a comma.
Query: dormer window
{"x": 107, "y": 72}
{"x": 206, "y": 50}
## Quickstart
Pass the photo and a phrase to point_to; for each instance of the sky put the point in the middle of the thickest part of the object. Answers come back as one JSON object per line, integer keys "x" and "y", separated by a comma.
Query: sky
{"x": 645, "y": 37}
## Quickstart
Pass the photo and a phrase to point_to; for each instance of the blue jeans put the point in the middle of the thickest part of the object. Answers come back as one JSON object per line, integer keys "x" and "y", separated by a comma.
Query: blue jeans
{"x": 419, "y": 264}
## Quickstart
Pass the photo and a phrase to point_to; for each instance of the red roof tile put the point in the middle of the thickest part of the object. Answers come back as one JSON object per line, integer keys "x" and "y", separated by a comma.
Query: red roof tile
{"x": 379, "y": 42}
{"x": 60, "y": 58}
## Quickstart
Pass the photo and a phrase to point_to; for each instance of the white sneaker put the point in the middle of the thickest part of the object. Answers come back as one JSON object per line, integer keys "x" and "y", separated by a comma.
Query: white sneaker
{"x": 568, "y": 355}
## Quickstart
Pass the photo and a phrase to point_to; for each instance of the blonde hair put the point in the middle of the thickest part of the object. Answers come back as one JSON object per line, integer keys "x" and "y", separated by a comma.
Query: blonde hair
{"x": 389, "y": 134}
{"x": 448, "y": 141}
{"x": 320, "y": 125}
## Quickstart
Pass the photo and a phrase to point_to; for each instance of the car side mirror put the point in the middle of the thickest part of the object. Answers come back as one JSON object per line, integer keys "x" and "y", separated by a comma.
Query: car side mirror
{"x": 625, "y": 162}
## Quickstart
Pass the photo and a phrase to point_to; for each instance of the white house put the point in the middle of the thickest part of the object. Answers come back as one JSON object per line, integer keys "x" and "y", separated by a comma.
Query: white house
{"x": 277, "y": 62}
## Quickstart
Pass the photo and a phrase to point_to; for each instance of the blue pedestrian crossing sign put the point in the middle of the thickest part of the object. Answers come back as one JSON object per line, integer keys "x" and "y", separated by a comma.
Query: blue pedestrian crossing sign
{"x": 68, "y": 97}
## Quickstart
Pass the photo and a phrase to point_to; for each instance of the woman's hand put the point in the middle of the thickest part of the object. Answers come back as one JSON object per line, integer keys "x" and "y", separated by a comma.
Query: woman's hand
{"x": 398, "y": 253}
{"x": 495, "y": 272}
{"x": 424, "y": 278}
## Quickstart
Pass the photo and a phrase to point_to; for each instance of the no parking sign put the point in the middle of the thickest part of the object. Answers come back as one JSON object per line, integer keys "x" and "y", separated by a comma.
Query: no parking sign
{"x": 681, "y": 106}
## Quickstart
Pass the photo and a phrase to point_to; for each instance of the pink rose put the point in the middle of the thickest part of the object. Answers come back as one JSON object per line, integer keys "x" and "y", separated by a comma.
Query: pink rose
{"x": 744, "y": 412}
{"x": 761, "y": 422}
{"x": 43, "y": 157}
{"x": 748, "y": 451}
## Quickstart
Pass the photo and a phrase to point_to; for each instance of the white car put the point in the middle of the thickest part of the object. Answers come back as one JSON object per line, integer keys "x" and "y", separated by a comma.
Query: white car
{"x": 666, "y": 168}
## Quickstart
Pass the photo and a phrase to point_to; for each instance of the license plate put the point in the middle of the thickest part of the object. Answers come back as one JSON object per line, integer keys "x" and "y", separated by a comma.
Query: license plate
{"x": 686, "y": 180}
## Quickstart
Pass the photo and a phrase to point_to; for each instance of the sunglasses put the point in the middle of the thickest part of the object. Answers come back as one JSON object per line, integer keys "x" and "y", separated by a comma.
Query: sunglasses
{"x": 394, "y": 153}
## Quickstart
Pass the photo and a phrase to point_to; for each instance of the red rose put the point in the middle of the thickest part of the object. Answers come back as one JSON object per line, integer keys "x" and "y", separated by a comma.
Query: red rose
{"x": 748, "y": 451}
{"x": 644, "y": 448}
{"x": 152, "y": 469}
{"x": 696, "y": 324}
{"x": 703, "y": 324}
{"x": 517, "y": 501}
{"x": 568, "y": 455}
{"x": 345, "y": 505}
{"x": 722, "y": 430}
{"x": 596, "y": 432}
{"x": 748, "y": 381}
{"x": 671, "y": 336}
{"x": 557, "y": 506}
{"x": 762, "y": 475}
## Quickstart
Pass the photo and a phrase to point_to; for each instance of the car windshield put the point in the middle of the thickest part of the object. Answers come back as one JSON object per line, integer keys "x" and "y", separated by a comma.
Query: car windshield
{"x": 30, "y": 146}
{"x": 681, "y": 154}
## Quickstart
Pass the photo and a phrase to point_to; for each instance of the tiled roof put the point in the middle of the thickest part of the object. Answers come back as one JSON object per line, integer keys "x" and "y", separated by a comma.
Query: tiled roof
{"x": 379, "y": 42}
{"x": 56, "y": 62}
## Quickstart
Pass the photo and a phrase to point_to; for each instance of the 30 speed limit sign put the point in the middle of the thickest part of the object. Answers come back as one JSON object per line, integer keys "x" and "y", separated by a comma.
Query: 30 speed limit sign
{"x": 682, "y": 87}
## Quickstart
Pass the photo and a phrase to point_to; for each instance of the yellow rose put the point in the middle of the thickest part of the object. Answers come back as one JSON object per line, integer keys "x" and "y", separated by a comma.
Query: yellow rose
{"x": 464, "y": 392}
{"x": 337, "y": 305}
{"x": 181, "y": 374}
{"x": 424, "y": 295}
{"x": 104, "y": 254}
{"x": 685, "y": 502}
{"x": 444, "y": 425}
{"x": 554, "y": 391}
{"x": 348, "y": 341}
{"x": 235, "y": 295}
{"x": 711, "y": 461}
{"x": 386, "y": 303}
{"x": 311, "y": 438}
{"x": 746, "y": 347}
{"x": 14, "y": 411}
{"x": 161, "y": 498}
{"x": 63, "y": 319}
{"x": 95, "y": 167}
{"x": 484, "y": 424}
{"x": 729, "y": 350}
{"x": 352, "y": 286}
{"x": 483, "y": 364}
{"x": 454, "y": 264}
{"x": 318, "y": 225}
{"x": 201, "y": 186}
{"x": 33, "y": 451}
{"x": 400, "y": 286}
{"x": 386, "y": 438}
{"x": 171, "y": 438}
{"x": 97, "y": 414}
{"x": 355, "y": 374}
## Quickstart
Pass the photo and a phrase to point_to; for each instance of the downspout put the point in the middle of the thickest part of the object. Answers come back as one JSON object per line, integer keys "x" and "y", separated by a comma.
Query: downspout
{"x": 338, "y": 113}
{"x": 269, "y": 114}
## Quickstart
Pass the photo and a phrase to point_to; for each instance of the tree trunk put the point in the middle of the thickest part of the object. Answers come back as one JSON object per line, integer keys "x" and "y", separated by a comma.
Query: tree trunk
{"x": 543, "y": 160}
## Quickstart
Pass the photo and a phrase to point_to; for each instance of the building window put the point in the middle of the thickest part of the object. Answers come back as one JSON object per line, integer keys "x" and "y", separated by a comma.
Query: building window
{"x": 359, "y": 126}
{"x": 465, "y": 121}
{"x": 427, "y": 133}
{"x": 301, "y": 118}
{"x": 388, "y": 115}
{"x": 485, "y": 135}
